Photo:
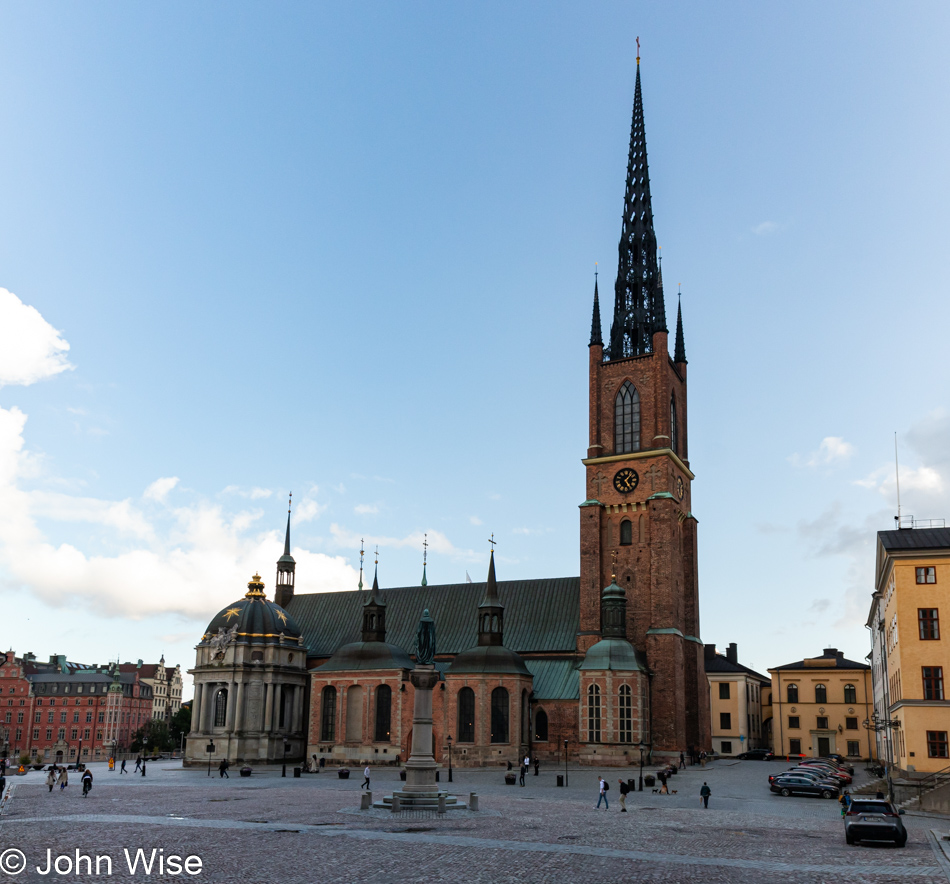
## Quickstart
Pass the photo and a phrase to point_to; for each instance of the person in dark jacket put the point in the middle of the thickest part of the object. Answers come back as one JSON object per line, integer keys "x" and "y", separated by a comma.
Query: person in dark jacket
{"x": 704, "y": 793}
{"x": 86, "y": 782}
{"x": 624, "y": 789}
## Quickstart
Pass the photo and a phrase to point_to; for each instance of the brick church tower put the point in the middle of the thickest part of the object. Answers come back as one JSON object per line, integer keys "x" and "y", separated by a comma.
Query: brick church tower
{"x": 637, "y": 512}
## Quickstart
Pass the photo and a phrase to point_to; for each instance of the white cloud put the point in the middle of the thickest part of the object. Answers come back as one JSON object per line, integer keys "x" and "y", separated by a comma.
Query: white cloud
{"x": 474, "y": 520}
{"x": 30, "y": 348}
{"x": 832, "y": 450}
{"x": 159, "y": 489}
{"x": 366, "y": 509}
{"x": 250, "y": 493}
{"x": 765, "y": 228}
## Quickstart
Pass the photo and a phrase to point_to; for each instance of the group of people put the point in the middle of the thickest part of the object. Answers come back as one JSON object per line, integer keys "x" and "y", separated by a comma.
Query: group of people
{"x": 59, "y": 775}
{"x": 626, "y": 788}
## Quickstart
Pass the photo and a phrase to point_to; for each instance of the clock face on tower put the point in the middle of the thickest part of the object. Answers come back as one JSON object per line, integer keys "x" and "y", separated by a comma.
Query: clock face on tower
{"x": 680, "y": 488}
{"x": 626, "y": 480}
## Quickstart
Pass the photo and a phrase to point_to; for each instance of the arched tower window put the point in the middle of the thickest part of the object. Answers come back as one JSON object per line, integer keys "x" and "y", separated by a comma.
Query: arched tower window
{"x": 384, "y": 700}
{"x": 328, "y": 715}
{"x": 850, "y": 694}
{"x": 626, "y": 532}
{"x": 626, "y": 714}
{"x": 220, "y": 707}
{"x": 674, "y": 435}
{"x": 627, "y": 419}
{"x": 593, "y": 714}
{"x": 792, "y": 693}
{"x": 466, "y": 716}
{"x": 821, "y": 693}
{"x": 499, "y": 715}
{"x": 541, "y": 726}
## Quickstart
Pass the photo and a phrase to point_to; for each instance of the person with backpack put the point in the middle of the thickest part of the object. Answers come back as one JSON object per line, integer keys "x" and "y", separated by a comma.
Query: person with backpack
{"x": 604, "y": 786}
{"x": 624, "y": 789}
{"x": 704, "y": 793}
{"x": 86, "y": 782}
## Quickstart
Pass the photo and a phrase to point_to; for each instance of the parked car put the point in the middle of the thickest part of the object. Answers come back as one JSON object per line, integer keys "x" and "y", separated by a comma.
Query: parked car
{"x": 812, "y": 774}
{"x": 830, "y": 762}
{"x": 874, "y": 820}
{"x": 827, "y": 770}
{"x": 842, "y": 762}
{"x": 756, "y": 755}
{"x": 798, "y": 785}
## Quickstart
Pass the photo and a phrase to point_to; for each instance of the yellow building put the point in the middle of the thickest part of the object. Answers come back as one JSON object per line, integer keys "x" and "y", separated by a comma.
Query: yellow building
{"x": 735, "y": 702}
{"x": 909, "y": 654}
{"x": 819, "y": 707}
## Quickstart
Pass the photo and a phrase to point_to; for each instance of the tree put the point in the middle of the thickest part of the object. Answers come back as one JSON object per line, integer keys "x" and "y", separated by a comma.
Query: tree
{"x": 159, "y": 739}
{"x": 180, "y": 725}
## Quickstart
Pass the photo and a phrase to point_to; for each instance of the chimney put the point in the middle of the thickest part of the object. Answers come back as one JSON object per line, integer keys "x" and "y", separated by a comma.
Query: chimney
{"x": 709, "y": 651}
{"x": 831, "y": 652}
{"x": 732, "y": 653}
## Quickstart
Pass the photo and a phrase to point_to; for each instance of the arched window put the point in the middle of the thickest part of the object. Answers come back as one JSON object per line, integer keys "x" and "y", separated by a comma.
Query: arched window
{"x": 466, "y": 723}
{"x": 793, "y": 693}
{"x": 541, "y": 726}
{"x": 627, "y": 419}
{"x": 384, "y": 702}
{"x": 821, "y": 693}
{"x": 220, "y": 707}
{"x": 328, "y": 715}
{"x": 626, "y": 714}
{"x": 674, "y": 434}
{"x": 626, "y": 532}
{"x": 850, "y": 694}
{"x": 499, "y": 715}
{"x": 593, "y": 714}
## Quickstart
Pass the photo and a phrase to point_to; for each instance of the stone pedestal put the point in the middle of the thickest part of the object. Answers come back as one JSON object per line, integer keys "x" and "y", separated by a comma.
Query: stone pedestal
{"x": 421, "y": 766}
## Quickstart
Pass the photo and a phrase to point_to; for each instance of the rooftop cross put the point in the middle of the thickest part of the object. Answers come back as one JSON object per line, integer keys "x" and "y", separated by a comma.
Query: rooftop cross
{"x": 492, "y": 541}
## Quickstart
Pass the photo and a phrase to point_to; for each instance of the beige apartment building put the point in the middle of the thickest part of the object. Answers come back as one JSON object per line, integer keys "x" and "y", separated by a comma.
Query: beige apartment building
{"x": 735, "y": 702}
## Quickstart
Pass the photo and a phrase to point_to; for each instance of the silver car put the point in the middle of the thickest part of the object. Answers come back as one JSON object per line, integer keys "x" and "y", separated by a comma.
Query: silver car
{"x": 874, "y": 820}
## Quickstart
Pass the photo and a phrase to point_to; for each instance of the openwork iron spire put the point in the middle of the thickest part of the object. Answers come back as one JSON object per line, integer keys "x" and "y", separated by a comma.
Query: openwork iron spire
{"x": 638, "y": 295}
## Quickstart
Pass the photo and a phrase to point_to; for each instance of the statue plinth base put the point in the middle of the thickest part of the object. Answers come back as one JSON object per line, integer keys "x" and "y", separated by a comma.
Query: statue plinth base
{"x": 421, "y": 766}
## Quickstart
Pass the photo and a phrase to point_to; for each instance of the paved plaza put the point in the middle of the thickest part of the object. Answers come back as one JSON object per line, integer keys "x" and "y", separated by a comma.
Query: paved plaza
{"x": 283, "y": 831}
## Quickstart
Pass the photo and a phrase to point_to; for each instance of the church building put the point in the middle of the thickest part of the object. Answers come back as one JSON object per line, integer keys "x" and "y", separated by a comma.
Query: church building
{"x": 599, "y": 665}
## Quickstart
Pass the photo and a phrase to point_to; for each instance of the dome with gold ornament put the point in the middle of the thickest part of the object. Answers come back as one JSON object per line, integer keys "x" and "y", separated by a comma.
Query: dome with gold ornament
{"x": 254, "y": 619}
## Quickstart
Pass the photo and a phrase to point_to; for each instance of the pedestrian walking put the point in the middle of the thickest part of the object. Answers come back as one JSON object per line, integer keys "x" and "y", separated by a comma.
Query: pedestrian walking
{"x": 138, "y": 764}
{"x": 122, "y": 769}
{"x": 524, "y": 768}
{"x": 624, "y": 788}
{"x": 86, "y": 782}
{"x": 537, "y": 765}
{"x": 223, "y": 769}
{"x": 704, "y": 793}
{"x": 51, "y": 778}
{"x": 702, "y": 758}
{"x": 323, "y": 761}
{"x": 603, "y": 795}
{"x": 682, "y": 761}
{"x": 63, "y": 779}
{"x": 365, "y": 778}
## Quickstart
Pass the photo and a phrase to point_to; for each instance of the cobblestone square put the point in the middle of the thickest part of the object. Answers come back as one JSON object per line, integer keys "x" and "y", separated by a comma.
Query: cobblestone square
{"x": 310, "y": 829}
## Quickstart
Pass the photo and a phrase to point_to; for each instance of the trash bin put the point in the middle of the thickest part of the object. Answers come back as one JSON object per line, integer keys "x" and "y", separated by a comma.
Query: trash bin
{"x": 560, "y": 779}
{"x": 297, "y": 773}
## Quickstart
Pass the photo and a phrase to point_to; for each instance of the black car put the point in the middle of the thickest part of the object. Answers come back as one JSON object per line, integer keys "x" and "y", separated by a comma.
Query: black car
{"x": 756, "y": 755}
{"x": 796, "y": 785}
{"x": 874, "y": 820}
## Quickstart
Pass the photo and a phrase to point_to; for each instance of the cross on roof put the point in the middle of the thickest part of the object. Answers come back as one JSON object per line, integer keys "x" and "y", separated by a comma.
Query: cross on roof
{"x": 492, "y": 541}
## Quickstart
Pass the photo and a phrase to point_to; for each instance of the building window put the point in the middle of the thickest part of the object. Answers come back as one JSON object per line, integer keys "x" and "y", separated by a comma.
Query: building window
{"x": 499, "y": 715}
{"x": 593, "y": 714}
{"x": 793, "y": 723}
{"x": 725, "y": 721}
{"x": 384, "y": 698}
{"x": 674, "y": 436}
{"x": 854, "y": 748}
{"x": 724, "y": 690}
{"x": 850, "y": 694}
{"x": 726, "y": 747}
{"x": 794, "y": 747}
{"x": 220, "y": 707}
{"x": 821, "y": 722}
{"x": 851, "y": 724}
{"x": 928, "y": 624}
{"x": 821, "y": 693}
{"x": 626, "y": 532}
{"x": 792, "y": 693}
{"x": 937, "y": 744}
{"x": 627, "y": 419}
{"x": 466, "y": 724}
{"x": 626, "y": 714}
{"x": 927, "y": 575}
{"x": 328, "y": 715}
{"x": 49, "y": 733}
{"x": 933, "y": 682}
{"x": 541, "y": 726}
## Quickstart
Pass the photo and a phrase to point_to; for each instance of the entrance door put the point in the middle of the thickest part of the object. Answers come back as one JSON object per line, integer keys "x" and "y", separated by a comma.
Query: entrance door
{"x": 824, "y": 746}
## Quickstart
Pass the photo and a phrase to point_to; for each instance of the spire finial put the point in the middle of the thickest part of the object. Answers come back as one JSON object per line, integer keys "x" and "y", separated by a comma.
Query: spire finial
{"x": 287, "y": 535}
{"x": 492, "y": 542}
{"x": 361, "y": 565}
{"x": 638, "y": 50}
{"x": 613, "y": 567}
{"x": 425, "y": 550}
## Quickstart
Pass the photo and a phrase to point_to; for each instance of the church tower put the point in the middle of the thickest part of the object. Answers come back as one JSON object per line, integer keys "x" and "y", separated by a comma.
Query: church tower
{"x": 286, "y": 570}
{"x": 637, "y": 510}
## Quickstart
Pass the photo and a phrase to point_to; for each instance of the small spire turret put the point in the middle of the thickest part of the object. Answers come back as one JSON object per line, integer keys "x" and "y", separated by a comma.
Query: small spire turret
{"x": 374, "y": 611}
{"x": 491, "y": 611}
{"x": 286, "y": 567}
{"x": 595, "y": 326}
{"x": 679, "y": 351}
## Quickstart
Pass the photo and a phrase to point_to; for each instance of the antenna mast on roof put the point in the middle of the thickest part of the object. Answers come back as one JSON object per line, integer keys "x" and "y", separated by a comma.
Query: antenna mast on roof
{"x": 897, "y": 474}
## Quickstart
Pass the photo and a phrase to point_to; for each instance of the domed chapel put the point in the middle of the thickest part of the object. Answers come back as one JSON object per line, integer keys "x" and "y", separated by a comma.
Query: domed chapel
{"x": 610, "y": 661}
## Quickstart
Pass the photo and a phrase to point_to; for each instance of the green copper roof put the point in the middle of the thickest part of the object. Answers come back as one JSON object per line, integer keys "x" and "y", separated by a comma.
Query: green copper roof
{"x": 667, "y": 630}
{"x": 661, "y": 495}
{"x": 591, "y": 502}
{"x": 616, "y": 654}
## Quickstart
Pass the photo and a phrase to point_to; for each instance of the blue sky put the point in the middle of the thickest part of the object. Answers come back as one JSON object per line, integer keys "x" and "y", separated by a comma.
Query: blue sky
{"x": 347, "y": 250}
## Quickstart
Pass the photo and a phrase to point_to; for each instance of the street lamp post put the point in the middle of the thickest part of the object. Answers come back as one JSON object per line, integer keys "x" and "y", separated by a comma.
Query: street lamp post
{"x": 283, "y": 771}
{"x": 876, "y": 724}
{"x": 450, "y": 757}
{"x": 641, "y": 747}
{"x": 565, "y": 764}
{"x": 210, "y": 750}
